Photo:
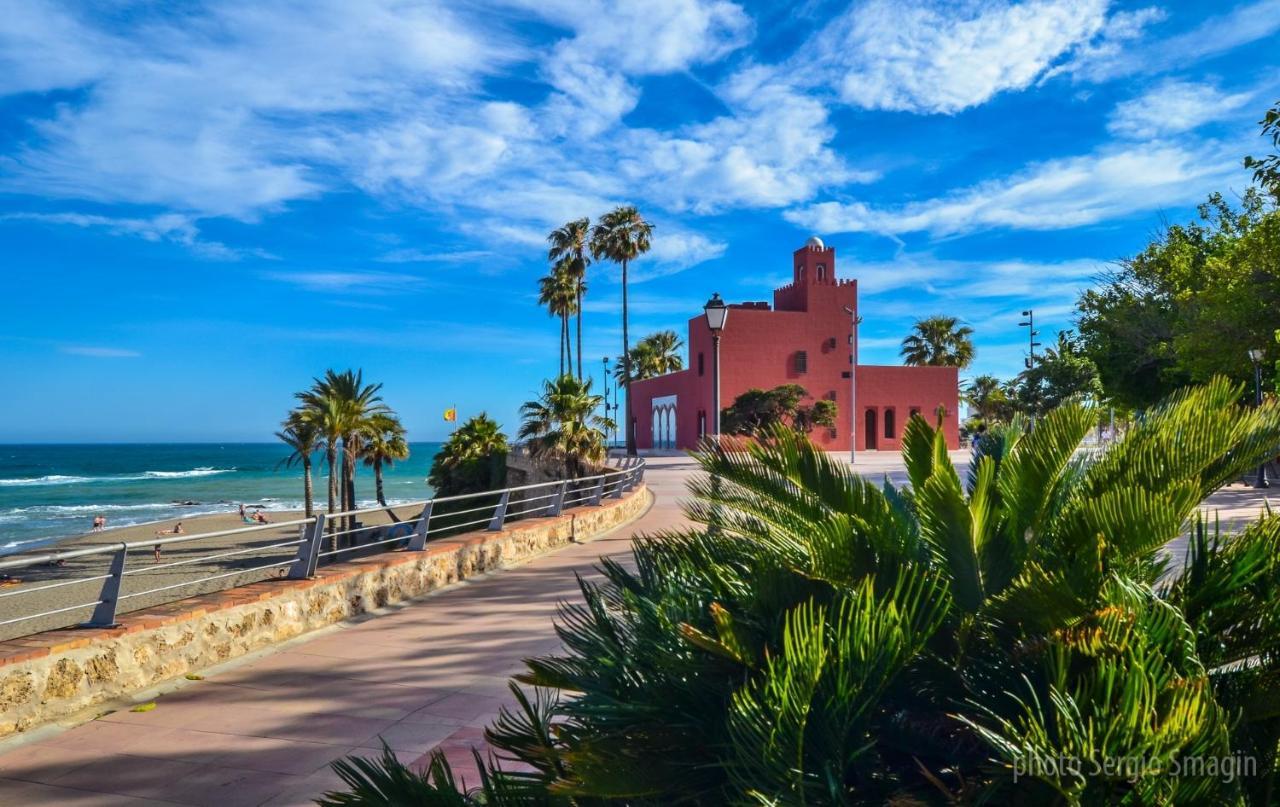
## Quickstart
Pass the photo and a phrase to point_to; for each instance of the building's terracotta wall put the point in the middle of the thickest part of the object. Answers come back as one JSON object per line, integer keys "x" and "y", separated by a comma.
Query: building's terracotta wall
{"x": 758, "y": 348}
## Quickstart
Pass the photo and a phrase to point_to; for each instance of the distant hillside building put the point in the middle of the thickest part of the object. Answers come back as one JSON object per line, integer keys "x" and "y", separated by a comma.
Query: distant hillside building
{"x": 803, "y": 339}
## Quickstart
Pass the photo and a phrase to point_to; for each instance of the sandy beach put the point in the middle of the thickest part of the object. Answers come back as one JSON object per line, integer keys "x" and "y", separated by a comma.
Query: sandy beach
{"x": 143, "y": 572}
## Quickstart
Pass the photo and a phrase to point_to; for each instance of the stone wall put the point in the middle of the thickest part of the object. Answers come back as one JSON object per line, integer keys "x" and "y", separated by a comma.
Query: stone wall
{"x": 56, "y": 674}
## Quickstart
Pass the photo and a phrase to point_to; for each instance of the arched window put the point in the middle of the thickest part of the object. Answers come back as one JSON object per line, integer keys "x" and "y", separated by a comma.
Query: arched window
{"x": 889, "y": 425}
{"x": 822, "y": 271}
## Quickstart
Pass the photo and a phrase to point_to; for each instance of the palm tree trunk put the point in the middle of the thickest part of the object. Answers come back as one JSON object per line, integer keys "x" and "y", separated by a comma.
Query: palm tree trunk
{"x": 331, "y": 455}
{"x": 562, "y": 344}
{"x": 579, "y": 330}
{"x": 568, "y": 344}
{"x": 626, "y": 365}
{"x": 377, "y": 482}
{"x": 307, "y": 492}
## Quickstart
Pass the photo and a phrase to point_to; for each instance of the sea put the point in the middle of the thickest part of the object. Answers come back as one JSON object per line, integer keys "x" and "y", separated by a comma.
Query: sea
{"x": 50, "y": 493}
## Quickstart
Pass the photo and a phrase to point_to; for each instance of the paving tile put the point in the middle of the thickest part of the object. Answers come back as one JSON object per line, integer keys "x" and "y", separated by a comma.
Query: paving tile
{"x": 143, "y": 778}
{"x": 33, "y": 794}
{"x": 215, "y": 786}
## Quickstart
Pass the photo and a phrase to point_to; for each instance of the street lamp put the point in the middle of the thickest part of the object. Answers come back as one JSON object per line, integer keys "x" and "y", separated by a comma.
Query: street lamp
{"x": 854, "y": 321}
{"x": 1255, "y": 356}
{"x": 1032, "y": 333}
{"x": 717, "y": 314}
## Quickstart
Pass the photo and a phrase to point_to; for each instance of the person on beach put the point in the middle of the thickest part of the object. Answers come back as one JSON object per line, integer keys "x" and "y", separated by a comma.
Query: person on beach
{"x": 242, "y": 510}
{"x": 261, "y": 517}
{"x": 99, "y": 523}
{"x": 157, "y": 551}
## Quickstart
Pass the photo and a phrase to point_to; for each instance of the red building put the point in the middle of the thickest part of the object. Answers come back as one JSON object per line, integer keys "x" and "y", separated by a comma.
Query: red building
{"x": 804, "y": 338}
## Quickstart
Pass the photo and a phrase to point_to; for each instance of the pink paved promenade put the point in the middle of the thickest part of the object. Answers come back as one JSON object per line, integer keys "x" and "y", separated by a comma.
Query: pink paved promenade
{"x": 263, "y": 731}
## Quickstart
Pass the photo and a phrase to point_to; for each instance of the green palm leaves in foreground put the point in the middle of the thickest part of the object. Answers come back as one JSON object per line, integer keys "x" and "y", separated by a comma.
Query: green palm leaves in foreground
{"x": 1016, "y": 636}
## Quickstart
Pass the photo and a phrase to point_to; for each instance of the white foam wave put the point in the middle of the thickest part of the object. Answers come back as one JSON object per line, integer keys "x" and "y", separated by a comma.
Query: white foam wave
{"x": 53, "y": 479}
{"x": 58, "y": 479}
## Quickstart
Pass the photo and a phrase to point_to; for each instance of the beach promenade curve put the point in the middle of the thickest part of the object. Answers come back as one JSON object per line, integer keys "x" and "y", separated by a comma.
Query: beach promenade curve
{"x": 264, "y": 729}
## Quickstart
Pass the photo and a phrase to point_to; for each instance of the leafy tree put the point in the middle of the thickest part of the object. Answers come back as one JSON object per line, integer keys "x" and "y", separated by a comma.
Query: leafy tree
{"x": 302, "y": 435}
{"x": 757, "y": 412}
{"x": 817, "y": 638}
{"x": 656, "y": 354}
{"x": 1060, "y": 373}
{"x": 1189, "y": 306}
{"x": 385, "y": 445}
{"x": 472, "y": 460}
{"x": 939, "y": 342}
{"x": 621, "y": 236}
{"x": 1266, "y": 170}
{"x": 561, "y": 425}
{"x": 569, "y": 248}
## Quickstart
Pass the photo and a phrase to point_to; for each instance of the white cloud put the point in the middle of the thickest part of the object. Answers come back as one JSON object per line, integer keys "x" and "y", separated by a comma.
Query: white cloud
{"x": 1171, "y": 107}
{"x": 945, "y": 57}
{"x": 171, "y": 227}
{"x": 410, "y": 255}
{"x": 100, "y": 352}
{"x": 374, "y": 283}
{"x": 1051, "y": 195}
{"x": 1121, "y": 54}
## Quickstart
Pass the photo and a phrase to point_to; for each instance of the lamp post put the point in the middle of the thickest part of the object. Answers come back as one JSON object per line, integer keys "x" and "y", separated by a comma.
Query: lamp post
{"x": 1255, "y": 356}
{"x": 1032, "y": 344}
{"x": 717, "y": 314}
{"x": 854, "y": 322}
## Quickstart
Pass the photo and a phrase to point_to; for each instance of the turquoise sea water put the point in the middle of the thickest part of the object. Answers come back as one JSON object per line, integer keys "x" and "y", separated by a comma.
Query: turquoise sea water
{"x": 50, "y": 492}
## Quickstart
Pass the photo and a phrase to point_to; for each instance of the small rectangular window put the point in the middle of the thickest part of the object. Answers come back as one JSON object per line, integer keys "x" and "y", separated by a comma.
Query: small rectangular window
{"x": 701, "y": 369}
{"x": 802, "y": 361}
{"x": 846, "y": 374}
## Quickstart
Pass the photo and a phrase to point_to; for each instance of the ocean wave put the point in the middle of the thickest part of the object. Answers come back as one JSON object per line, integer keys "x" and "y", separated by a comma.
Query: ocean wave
{"x": 57, "y": 479}
{"x": 53, "y": 479}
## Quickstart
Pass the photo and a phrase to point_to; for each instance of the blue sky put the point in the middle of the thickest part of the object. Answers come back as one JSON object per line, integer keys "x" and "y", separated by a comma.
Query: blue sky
{"x": 202, "y": 205}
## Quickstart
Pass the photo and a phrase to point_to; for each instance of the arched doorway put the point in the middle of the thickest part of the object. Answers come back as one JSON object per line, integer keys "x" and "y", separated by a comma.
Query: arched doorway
{"x": 869, "y": 431}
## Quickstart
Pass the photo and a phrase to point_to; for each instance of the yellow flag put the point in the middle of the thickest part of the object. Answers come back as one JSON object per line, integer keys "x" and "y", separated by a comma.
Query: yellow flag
{"x": 450, "y": 415}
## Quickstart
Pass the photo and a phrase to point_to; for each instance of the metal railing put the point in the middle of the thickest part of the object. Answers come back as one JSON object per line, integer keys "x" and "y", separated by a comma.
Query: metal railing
{"x": 294, "y": 549}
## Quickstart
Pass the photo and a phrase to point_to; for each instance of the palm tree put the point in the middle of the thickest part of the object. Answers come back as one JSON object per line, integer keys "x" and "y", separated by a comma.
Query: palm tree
{"x": 561, "y": 425}
{"x": 341, "y": 404}
{"x": 303, "y": 436}
{"x": 989, "y": 398}
{"x": 656, "y": 354}
{"x": 939, "y": 342}
{"x": 472, "y": 460}
{"x": 622, "y": 235}
{"x": 558, "y": 292}
{"x": 385, "y": 445}
{"x": 569, "y": 244}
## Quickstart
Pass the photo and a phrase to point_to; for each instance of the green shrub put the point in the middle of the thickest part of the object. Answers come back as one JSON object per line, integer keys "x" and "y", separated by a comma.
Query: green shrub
{"x": 1018, "y": 636}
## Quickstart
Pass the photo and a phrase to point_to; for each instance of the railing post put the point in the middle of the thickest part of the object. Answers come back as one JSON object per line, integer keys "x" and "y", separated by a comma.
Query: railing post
{"x": 617, "y": 489}
{"x": 304, "y": 564}
{"x": 557, "y": 504}
{"x": 598, "y": 491}
{"x": 104, "y": 615}
{"x": 500, "y": 512}
{"x": 418, "y": 541}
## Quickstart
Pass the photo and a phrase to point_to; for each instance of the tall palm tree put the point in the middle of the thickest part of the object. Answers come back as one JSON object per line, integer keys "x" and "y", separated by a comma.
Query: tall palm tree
{"x": 622, "y": 235}
{"x": 558, "y": 292}
{"x": 342, "y": 404}
{"x": 303, "y": 436}
{"x": 570, "y": 244}
{"x": 561, "y": 424}
{"x": 385, "y": 445}
{"x": 939, "y": 342}
{"x": 989, "y": 398}
{"x": 656, "y": 354}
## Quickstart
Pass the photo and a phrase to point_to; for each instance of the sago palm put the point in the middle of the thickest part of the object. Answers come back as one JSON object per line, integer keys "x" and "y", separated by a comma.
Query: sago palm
{"x": 569, "y": 244}
{"x": 621, "y": 236}
{"x": 1018, "y": 635}
{"x": 939, "y": 342}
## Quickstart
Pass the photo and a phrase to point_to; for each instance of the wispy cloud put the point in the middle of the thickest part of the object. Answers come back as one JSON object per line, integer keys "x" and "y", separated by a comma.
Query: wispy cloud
{"x": 1174, "y": 106}
{"x": 370, "y": 283}
{"x": 100, "y": 352}
{"x": 422, "y": 256}
{"x": 1110, "y": 183}
{"x": 174, "y": 228}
